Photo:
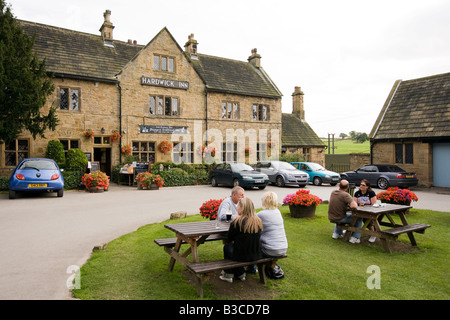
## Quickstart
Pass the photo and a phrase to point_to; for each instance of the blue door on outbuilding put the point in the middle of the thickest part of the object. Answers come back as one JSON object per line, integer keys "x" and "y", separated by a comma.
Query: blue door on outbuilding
{"x": 441, "y": 165}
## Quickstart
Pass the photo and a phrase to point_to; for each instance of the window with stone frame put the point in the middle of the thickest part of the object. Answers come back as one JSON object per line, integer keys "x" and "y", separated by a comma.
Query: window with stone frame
{"x": 16, "y": 151}
{"x": 230, "y": 110}
{"x": 69, "y": 99}
{"x": 163, "y": 63}
{"x": 144, "y": 151}
{"x": 164, "y": 106}
{"x": 69, "y": 144}
{"x": 261, "y": 112}
{"x": 183, "y": 152}
{"x": 404, "y": 153}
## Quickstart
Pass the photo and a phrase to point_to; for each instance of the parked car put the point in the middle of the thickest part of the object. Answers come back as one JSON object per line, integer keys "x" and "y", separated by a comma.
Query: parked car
{"x": 238, "y": 174}
{"x": 382, "y": 175}
{"x": 317, "y": 173}
{"x": 282, "y": 173}
{"x": 36, "y": 175}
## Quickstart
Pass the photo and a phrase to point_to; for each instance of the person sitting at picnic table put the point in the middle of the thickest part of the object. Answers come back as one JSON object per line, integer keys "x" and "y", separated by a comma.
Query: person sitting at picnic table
{"x": 230, "y": 204}
{"x": 243, "y": 239}
{"x": 340, "y": 201}
{"x": 368, "y": 196}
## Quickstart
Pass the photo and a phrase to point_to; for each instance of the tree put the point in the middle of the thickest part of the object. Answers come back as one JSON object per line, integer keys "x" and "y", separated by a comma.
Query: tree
{"x": 24, "y": 84}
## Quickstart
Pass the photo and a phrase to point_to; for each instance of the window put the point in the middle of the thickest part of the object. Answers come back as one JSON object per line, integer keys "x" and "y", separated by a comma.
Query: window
{"x": 69, "y": 144}
{"x": 229, "y": 152}
{"x": 161, "y": 105}
{"x": 230, "y": 110}
{"x": 183, "y": 152}
{"x": 69, "y": 99}
{"x": 144, "y": 151}
{"x": 163, "y": 63}
{"x": 102, "y": 140}
{"x": 404, "y": 153}
{"x": 261, "y": 112}
{"x": 16, "y": 151}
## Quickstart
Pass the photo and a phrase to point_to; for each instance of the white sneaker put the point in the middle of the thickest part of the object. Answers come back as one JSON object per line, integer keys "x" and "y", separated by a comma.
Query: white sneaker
{"x": 336, "y": 235}
{"x": 372, "y": 239}
{"x": 242, "y": 277}
{"x": 227, "y": 277}
{"x": 354, "y": 240}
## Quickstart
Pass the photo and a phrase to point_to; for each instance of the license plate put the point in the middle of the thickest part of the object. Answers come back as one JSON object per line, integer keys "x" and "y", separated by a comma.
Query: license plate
{"x": 409, "y": 176}
{"x": 37, "y": 185}
{"x": 259, "y": 181}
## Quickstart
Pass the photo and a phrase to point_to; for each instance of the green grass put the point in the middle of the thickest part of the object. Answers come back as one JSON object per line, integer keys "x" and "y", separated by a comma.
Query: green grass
{"x": 348, "y": 146}
{"x": 317, "y": 267}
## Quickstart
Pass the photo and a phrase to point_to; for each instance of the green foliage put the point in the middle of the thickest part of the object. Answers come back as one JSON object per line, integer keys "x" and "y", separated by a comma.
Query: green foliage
{"x": 23, "y": 81}
{"x": 55, "y": 151}
{"x": 291, "y": 157}
{"x": 4, "y": 184}
{"x": 76, "y": 160}
{"x": 72, "y": 179}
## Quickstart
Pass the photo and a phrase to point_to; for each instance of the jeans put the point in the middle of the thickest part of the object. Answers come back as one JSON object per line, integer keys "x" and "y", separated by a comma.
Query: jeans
{"x": 348, "y": 219}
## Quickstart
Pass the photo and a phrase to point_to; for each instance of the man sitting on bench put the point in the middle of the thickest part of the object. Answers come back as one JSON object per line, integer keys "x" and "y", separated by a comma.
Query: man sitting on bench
{"x": 340, "y": 200}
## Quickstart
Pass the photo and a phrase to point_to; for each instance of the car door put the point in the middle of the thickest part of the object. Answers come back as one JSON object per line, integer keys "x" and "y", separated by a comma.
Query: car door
{"x": 307, "y": 169}
{"x": 227, "y": 175}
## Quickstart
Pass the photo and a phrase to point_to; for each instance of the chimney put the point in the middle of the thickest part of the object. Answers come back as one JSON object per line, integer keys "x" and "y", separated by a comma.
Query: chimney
{"x": 107, "y": 27}
{"x": 297, "y": 102}
{"x": 255, "y": 59}
{"x": 191, "y": 45}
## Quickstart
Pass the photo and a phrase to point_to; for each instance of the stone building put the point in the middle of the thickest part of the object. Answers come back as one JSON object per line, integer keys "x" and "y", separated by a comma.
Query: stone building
{"x": 413, "y": 129}
{"x": 298, "y": 136}
{"x": 147, "y": 95}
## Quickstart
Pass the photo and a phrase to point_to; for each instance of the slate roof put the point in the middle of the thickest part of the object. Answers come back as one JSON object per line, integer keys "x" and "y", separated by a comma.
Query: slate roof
{"x": 78, "y": 54}
{"x": 419, "y": 110}
{"x": 298, "y": 133}
{"x": 232, "y": 76}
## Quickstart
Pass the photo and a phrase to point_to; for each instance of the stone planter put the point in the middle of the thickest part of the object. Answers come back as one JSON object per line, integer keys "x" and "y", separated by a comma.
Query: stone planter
{"x": 302, "y": 212}
{"x": 152, "y": 186}
{"x": 96, "y": 190}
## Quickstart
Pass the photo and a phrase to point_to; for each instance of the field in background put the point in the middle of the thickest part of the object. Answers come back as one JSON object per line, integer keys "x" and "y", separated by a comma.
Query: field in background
{"x": 347, "y": 146}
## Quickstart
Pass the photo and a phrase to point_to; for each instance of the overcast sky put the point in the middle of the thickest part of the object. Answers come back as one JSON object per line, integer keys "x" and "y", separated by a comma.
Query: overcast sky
{"x": 345, "y": 55}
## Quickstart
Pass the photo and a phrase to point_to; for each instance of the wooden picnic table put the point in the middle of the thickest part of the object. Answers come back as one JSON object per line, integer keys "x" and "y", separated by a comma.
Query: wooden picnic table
{"x": 382, "y": 215}
{"x": 194, "y": 234}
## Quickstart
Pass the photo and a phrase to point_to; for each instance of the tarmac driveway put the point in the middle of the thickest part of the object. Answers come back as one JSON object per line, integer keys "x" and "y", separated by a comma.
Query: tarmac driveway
{"x": 43, "y": 237}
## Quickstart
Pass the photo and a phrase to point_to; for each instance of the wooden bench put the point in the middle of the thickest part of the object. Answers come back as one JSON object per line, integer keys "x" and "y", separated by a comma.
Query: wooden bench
{"x": 170, "y": 242}
{"x": 203, "y": 270}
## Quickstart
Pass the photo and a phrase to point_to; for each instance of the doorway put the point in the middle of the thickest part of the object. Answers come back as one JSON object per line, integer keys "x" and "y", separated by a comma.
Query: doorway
{"x": 103, "y": 156}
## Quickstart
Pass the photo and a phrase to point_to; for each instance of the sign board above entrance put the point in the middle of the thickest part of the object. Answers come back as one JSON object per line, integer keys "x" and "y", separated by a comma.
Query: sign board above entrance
{"x": 162, "y": 129}
{"x": 175, "y": 84}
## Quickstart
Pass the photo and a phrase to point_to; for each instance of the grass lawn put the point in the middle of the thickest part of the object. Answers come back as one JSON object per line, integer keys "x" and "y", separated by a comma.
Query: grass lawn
{"x": 348, "y": 146}
{"x": 317, "y": 267}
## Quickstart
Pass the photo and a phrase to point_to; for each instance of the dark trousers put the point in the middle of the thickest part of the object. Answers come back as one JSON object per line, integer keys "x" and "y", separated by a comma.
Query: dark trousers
{"x": 228, "y": 253}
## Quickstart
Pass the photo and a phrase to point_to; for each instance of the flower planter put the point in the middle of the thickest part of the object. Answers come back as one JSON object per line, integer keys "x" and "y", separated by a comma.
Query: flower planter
{"x": 152, "y": 186}
{"x": 96, "y": 190}
{"x": 302, "y": 211}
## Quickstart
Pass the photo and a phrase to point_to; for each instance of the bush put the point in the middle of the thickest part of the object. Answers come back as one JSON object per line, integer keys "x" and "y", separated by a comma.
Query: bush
{"x": 55, "y": 151}
{"x": 72, "y": 179}
{"x": 4, "y": 184}
{"x": 76, "y": 160}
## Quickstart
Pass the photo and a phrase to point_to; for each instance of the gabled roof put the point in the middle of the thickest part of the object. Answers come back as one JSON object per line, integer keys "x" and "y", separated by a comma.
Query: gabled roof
{"x": 235, "y": 77}
{"x": 298, "y": 133}
{"x": 416, "y": 109}
{"x": 75, "y": 53}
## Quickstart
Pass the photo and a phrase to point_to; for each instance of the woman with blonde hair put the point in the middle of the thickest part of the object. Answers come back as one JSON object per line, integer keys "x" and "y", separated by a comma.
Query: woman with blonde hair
{"x": 243, "y": 239}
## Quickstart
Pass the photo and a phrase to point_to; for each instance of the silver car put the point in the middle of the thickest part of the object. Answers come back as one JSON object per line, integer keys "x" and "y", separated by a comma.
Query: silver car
{"x": 282, "y": 173}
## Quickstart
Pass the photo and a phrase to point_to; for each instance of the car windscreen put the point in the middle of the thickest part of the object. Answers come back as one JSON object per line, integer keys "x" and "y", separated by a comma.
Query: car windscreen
{"x": 390, "y": 169}
{"x": 38, "y": 165}
{"x": 284, "y": 166}
{"x": 241, "y": 166}
{"x": 316, "y": 167}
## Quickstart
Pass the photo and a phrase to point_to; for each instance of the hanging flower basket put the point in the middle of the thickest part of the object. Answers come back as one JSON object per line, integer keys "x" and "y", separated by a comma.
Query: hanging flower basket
{"x": 115, "y": 136}
{"x": 165, "y": 146}
{"x": 302, "y": 204}
{"x": 126, "y": 150}
{"x": 209, "y": 208}
{"x": 89, "y": 134}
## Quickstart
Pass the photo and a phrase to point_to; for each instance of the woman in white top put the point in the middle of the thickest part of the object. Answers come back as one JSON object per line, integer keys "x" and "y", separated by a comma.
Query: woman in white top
{"x": 273, "y": 237}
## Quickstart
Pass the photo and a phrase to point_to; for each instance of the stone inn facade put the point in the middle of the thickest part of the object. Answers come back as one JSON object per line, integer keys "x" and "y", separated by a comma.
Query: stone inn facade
{"x": 113, "y": 96}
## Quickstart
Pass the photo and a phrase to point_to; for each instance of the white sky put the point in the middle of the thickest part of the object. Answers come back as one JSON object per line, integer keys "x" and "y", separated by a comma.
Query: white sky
{"x": 345, "y": 55}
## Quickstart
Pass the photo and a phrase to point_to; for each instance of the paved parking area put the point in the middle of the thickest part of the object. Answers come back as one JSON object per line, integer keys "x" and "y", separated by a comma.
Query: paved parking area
{"x": 41, "y": 237}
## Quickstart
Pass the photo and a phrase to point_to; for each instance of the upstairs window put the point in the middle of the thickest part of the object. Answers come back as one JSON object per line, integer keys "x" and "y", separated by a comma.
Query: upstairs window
{"x": 164, "y": 106}
{"x": 261, "y": 112}
{"x": 163, "y": 63}
{"x": 230, "y": 110}
{"x": 69, "y": 99}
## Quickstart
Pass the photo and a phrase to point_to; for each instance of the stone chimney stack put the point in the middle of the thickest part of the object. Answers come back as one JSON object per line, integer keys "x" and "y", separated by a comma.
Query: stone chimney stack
{"x": 191, "y": 45}
{"x": 255, "y": 58}
{"x": 107, "y": 27}
{"x": 297, "y": 102}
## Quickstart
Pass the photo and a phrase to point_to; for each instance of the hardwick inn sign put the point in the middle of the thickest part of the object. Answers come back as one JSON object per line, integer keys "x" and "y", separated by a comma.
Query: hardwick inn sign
{"x": 175, "y": 84}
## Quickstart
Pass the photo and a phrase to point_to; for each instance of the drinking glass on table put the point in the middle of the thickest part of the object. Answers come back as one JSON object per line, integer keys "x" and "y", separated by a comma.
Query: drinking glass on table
{"x": 228, "y": 213}
{"x": 361, "y": 203}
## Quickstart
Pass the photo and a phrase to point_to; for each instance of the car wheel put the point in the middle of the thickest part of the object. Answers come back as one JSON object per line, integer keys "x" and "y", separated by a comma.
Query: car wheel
{"x": 280, "y": 181}
{"x": 262, "y": 187}
{"x": 333, "y": 184}
{"x": 12, "y": 194}
{"x": 317, "y": 181}
{"x": 235, "y": 182}
{"x": 60, "y": 193}
{"x": 382, "y": 183}
{"x": 213, "y": 182}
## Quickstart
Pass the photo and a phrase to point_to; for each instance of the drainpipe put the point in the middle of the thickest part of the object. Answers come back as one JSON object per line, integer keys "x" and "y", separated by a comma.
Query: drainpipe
{"x": 206, "y": 116}
{"x": 120, "y": 120}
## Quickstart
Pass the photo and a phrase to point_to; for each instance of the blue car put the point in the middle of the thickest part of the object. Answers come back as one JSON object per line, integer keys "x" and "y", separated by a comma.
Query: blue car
{"x": 36, "y": 175}
{"x": 317, "y": 173}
